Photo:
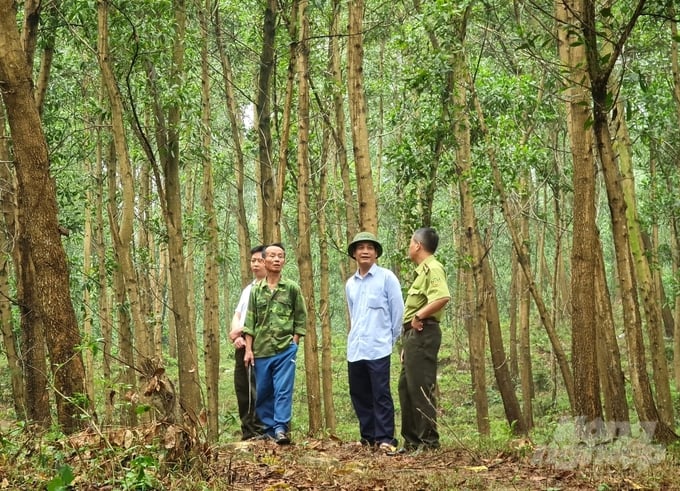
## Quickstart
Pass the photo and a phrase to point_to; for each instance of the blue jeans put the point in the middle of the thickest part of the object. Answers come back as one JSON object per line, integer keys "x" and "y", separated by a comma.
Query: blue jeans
{"x": 275, "y": 381}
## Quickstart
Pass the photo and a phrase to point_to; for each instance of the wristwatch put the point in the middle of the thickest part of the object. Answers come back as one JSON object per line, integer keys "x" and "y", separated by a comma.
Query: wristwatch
{"x": 416, "y": 317}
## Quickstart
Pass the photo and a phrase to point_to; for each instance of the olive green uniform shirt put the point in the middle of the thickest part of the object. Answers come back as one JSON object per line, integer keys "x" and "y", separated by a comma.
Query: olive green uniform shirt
{"x": 274, "y": 316}
{"x": 429, "y": 285}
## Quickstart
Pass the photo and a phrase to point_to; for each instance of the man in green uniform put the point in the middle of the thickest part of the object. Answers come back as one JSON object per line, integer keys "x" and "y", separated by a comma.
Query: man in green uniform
{"x": 423, "y": 310}
{"x": 276, "y": 321}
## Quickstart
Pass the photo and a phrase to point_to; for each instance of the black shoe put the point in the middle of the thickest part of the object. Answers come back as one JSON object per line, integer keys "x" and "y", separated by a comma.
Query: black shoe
{"x": 281, "y": 438}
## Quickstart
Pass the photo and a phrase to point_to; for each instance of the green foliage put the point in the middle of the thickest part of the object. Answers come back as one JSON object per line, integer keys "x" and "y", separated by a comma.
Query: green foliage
{"x": 62, "y": 481}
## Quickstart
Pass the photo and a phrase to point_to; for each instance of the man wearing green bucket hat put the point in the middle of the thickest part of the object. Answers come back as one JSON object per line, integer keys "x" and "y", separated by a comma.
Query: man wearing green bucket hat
{"x": 376, "y": 308}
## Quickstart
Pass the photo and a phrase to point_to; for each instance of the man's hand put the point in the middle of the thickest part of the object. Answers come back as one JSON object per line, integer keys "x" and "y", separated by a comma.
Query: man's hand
{"x": 239, "y": 342}
{"x": 248, "y": 358}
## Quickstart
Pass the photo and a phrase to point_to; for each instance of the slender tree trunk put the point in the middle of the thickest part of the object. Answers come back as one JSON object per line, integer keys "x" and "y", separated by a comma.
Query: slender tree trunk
{"x": 643, "y": 273}
{"x": 211, "y": 295}
{"x": 285, "y": 124}
{"x": 526, "y": 372}
{"x": 474, "y": 320}
{"x": 304, "y": 255}
{"x": 9, "y": 250}
{"x": 348, "y": 205}
{"x": 122, "y": 232}
{"x": 513, "y": 357}
{"x": 675, "y": 226}
{"x": 486, "y": 301}
{"x": 235, "y": 118}
{"x": 322, "y": 204}
{"x": 170, "y": 193}
{"x": 37, "y": 201}
{"x": 599, "y": 77}
{"x": 358, "y": 112}
{"x": 586, "y": 405}
{"x": 612, "y": 379}
{"x": 265, "y": 177}
{"x": 88, "y": 357}
{"x": 104, "y": 302}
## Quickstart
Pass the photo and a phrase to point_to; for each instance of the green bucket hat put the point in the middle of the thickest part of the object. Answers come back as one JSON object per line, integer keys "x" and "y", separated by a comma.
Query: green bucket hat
{"x": 364, "y": 237}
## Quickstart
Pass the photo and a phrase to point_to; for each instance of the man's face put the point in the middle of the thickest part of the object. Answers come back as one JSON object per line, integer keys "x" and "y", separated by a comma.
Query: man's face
{"x": 274, "y": 259}
{"x": 413, "y": 248}
{"x": 257, "y": 265}
{"x": 365, "y": 254}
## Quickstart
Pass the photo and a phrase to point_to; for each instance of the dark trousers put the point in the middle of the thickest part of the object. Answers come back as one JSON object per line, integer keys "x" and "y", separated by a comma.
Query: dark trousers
{"x": 244, "y": 386}
{"x": 417, "y": 383}
{"x": 369, "y": 389}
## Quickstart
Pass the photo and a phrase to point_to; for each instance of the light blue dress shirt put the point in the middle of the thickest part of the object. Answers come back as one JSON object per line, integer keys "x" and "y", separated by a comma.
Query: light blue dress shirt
{"x": 376, "y": 307}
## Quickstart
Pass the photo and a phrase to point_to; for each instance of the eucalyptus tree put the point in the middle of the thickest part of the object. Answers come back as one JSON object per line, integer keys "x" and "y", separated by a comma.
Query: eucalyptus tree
{"x": 447, "y": 131}
{"x": 358, "y": 109}
{"x": 120, "y": 170}
{"x": 38, "y": 218}
{"x": 675, "y": 69}
{"x": 211, "y": 314}
{"x": 265, "y": 169}
{"x": 599, "y": 67}
{"x": 8, "y": 211}
{"x": 639, "y": 247}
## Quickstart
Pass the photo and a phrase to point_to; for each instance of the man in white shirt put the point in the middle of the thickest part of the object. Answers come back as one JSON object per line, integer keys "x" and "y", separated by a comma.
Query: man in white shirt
{"x": 244, "y": 378}
{"x": 376, "y": 307}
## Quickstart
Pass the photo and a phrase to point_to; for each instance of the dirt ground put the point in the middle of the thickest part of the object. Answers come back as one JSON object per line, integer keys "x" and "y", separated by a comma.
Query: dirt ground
{"x": 326, "y": 465}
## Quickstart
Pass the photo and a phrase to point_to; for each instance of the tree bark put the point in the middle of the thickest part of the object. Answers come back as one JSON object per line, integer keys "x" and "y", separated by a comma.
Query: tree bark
{"x": 211, "y": 297}
{"x": 9, "y": 250}
{"x": 587, "y": 407}
{"x": 304, "y": 255}
{"x": 265, "y": 174}
{"x": 643, "y": 273}
{"x": 235, "y": 118}
{"x": 599, "y": 82}
{"x": 37, "y": 202}
{"x": 358, "y": 112}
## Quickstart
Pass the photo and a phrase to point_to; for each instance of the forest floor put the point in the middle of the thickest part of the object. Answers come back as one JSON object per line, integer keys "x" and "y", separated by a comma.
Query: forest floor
{"x": 329, "y": 464}
{"x": 135, "y": 459}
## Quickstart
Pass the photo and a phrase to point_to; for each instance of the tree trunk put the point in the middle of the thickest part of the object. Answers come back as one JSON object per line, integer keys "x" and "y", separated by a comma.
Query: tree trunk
{"x": 586, "y": 405}
{"x": 337, "y": 83}
{"x": 103, "y": 301}
{"x": 265, "y": 174}
{"x": 675, "y": 233}
{"x": 211, "y": 293}
{"x": 599, "y": 77}
{"x": 9, "y": 250}
{"x": 121, "y": 232}
{"x": 513, "y": 357}
{"x": 643, "y": 273}
{"x": 304, "y": 256}
{"x": 88, "y": 359}
{"x": 38, "y": 218}
{"x": 322, "y": 204}
{"x": 235, "y": 118}
{"x": 285, "y": 124}
{"x": 612, "y": 379}
{"x": 474, "y": 320}
{"x": 358, "y": 113}
{"x": 526, "y": 372}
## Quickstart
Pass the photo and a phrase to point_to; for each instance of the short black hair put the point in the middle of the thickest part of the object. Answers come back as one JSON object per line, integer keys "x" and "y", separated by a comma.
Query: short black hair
{"x": 259, "y": 248}
{"x": 428, "y": 237}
